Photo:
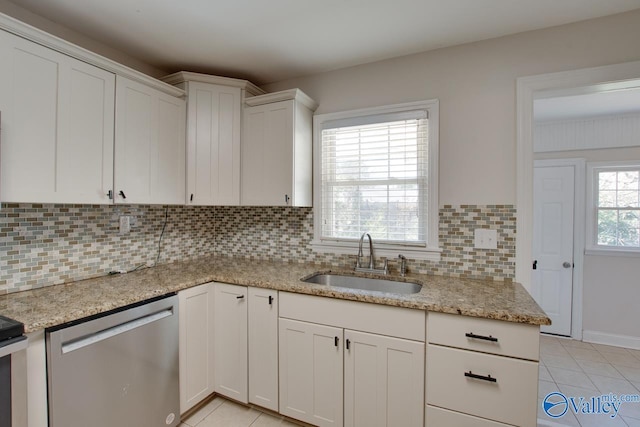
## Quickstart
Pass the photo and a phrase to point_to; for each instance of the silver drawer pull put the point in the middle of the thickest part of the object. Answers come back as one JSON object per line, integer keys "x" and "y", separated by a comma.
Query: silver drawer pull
{"x": 480, "y": 337}
{"x": 481, "y": 377}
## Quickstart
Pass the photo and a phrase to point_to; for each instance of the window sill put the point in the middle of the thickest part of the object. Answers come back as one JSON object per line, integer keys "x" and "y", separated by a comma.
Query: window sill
{"x": 380, "y": 250}
{"x": 613, "y": 252}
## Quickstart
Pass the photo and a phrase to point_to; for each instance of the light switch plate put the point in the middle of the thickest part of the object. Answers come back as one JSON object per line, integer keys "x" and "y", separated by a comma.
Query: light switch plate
{"x": 125, "y": 224}
{"x": 486, "y": 238}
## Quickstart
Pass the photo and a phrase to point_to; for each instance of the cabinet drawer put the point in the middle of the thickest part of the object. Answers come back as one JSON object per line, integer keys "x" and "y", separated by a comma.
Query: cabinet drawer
{"x": 438, "y": 417}
{"x": 485, "y": 335}
{"x": 510, "y": 397}
{"x": 359, "y": 316}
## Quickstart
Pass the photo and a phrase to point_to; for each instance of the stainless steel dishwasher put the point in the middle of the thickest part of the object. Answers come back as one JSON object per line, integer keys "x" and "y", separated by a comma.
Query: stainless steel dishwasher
{"x": 116, "y": 369}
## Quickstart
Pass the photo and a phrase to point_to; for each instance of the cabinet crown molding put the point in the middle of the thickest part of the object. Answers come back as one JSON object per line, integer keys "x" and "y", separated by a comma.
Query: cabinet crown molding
{"x": 188, "y": 76}
{"x": 285, "y": 95}
{"x": 28, "y": 32}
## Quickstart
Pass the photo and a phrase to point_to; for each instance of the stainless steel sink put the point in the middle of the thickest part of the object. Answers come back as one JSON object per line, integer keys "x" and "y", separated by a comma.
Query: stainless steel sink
{"x": 364, "y": 283}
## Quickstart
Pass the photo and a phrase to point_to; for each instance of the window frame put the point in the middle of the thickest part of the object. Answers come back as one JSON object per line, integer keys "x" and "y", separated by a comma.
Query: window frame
{"x": 431, "y": 251}
{"x": 592, "y": 246}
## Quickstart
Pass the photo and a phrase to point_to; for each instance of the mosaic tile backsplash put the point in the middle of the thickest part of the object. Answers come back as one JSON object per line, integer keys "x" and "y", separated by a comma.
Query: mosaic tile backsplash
{"x": 42, "y": 245}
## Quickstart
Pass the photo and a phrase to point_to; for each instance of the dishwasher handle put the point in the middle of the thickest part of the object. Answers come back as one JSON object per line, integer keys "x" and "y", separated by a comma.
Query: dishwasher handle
{"x": 96, "y": 337}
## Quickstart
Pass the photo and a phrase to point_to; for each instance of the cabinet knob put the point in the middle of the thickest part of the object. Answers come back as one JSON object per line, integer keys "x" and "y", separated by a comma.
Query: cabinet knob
{"x": 286, "y": 199}
{"x": 191, "y": 198}
{"x": 270, "y": 300}
{"x": 335, "y": 341}
{"x": 348, "y": 344}
{"x": 121, "y": 193}
{"x": 240, "y": 297}
{"x": 110, "y": 194}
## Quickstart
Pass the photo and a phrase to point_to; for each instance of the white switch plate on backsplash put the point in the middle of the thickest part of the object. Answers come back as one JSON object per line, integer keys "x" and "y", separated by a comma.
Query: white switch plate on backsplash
{"x": 486, "y": 238}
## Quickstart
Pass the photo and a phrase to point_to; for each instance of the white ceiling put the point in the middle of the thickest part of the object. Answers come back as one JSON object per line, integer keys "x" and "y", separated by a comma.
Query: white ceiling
{"x": 273, "y": 40}
{"x": 615, "y": 102}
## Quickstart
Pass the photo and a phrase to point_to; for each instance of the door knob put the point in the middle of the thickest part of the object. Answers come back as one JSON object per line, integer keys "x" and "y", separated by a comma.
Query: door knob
{"x": 566, "y": 264}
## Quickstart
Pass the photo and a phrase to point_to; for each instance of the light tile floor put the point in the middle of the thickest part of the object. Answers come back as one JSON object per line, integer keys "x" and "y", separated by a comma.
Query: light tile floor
{"x": 573, "y": 368}
{"x": 220, "y": 412}
{"x": 580, "y": 369}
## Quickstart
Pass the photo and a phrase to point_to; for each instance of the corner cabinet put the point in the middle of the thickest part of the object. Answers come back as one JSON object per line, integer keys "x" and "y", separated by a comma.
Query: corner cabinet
{"x": 351, "y": 363}
{"x": 263, "y": 348}
{"x": 214, "y": 121}
{"x": 277, "y": 149}
{"x": 230, "y": 335}
{"x": 149, "y": 145}
{"x": 57, "y": 126}
{"x": 196, "y": 345}
{"x": 246, "y": 344}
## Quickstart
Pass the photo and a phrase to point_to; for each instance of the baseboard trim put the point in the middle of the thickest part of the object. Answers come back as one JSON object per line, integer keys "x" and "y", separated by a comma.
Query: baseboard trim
{"x": 611, "y": 339}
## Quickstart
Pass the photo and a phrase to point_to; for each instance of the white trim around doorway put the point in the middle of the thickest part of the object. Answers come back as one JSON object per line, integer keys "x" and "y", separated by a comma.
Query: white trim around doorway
{"x": 526, "y": 89}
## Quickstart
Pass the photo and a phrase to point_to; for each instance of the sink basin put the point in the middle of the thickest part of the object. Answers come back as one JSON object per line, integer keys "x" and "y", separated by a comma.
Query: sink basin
{"x": 364, "y": 283}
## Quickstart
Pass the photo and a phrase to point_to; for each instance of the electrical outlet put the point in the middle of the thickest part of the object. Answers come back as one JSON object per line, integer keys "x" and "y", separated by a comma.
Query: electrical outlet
{"x": 486, "y": 238}
{"x": 125, "y": 224}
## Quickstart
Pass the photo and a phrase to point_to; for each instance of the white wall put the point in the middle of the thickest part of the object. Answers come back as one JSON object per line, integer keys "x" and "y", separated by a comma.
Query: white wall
{"x": 65, "y": 33}
{"x": 476, "y": 87}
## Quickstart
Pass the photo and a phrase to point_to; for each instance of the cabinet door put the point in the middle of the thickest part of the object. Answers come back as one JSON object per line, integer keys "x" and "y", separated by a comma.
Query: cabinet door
{"x": 230, "y": 347}
{"x": 57, "y": 126}
{"x": 213, "y": 145}
{"x": 383, "y": 381}
{"x": 267, "y": 154}
{"x": 311, "y": 372}
{"x": 263, "y": 348}
{"x": 150, "y": 145}
{"x": 196, "y": 345}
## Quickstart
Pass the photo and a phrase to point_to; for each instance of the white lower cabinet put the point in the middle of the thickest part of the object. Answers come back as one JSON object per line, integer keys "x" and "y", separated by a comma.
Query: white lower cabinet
{"x": 311, "y": 372}
{"x": 263, "y": 348}
{"x": 230, "y": 341}
{"x": 333, "y": 375}
{"x": 196, "y": 345}
{"x": 481, "y": 372}
{"x": 446, "y": 418}
{"x": 382, "y": 381}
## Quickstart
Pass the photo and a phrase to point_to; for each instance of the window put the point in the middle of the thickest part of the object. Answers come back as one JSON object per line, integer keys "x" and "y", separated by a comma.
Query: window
{"x": 376, "y": 172}
{"x": 614, "y": 216}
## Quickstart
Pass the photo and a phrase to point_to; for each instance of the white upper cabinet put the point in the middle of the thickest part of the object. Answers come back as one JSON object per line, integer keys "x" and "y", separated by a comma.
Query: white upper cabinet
{"x": 214, "y": 119}
{"x": 149, "y": 145}
{"x": 57, "y": 126}
{"x": 277, "y": 150}
{"x": 213, "y": 144}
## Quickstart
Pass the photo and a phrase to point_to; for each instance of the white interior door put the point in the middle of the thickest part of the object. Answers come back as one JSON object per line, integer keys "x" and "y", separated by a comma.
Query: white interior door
{"x": 553, "y": 217}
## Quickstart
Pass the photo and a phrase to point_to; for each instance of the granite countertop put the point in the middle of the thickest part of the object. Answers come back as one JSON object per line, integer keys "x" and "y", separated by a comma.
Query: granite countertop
{"x": 55, "y": 305}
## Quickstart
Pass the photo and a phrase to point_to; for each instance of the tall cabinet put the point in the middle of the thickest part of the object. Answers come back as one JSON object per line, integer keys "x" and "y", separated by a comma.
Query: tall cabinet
{"x": 57, "y": 130}
{"x": 277, "y": 149}
{"x": 214, "y": 122}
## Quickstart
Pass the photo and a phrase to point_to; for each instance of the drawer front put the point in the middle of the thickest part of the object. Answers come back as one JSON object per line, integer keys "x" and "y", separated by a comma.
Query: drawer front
{"x": 451, "y": 384}
{"x": 359, "y": 316}
{"x": 438, "y": 417}
{"x": 486, "y": 335}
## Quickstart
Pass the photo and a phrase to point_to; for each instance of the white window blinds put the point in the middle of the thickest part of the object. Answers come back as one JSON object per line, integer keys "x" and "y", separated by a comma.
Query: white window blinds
{"x": 374, "y": 178}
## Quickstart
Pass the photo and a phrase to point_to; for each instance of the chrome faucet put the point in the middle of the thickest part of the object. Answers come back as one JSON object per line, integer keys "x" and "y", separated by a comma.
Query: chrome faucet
{"x": 361, "y": 255}
{"x": 403, "y": 265}
{"x": 372, "y": 267}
